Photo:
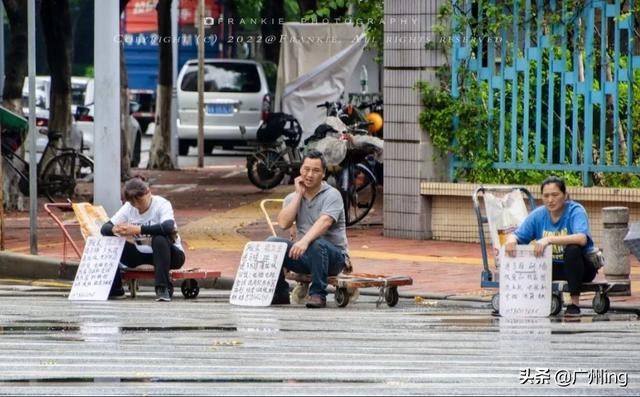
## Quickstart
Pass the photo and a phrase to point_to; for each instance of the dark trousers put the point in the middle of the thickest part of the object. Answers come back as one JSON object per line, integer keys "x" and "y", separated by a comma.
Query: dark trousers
{"x": 322, "y": 259}
{"x": 576, "y": 269}
{"x": 164, "y": 257}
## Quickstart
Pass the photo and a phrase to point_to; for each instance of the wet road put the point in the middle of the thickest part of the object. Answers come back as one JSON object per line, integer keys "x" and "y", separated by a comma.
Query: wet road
{"x": 51, "y": 346}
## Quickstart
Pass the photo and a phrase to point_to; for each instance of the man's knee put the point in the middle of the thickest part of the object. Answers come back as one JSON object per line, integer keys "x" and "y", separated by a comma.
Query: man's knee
{"x": 318, "y": 245}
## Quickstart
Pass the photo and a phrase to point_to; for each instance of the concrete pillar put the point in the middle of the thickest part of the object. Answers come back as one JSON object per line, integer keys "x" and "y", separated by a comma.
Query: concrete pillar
{"x": 616, "y": 255}
{"x": 408, "y": 153}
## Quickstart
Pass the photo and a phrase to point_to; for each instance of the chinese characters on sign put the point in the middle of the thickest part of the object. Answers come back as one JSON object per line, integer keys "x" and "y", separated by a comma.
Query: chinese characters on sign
{"x": 97, "y": 268}
{"x": 525, "y": 283}
{"x": 258, "y": 273}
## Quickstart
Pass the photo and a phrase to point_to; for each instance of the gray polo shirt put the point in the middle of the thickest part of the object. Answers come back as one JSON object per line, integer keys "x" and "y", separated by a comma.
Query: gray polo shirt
{"x": 327, "y": 201}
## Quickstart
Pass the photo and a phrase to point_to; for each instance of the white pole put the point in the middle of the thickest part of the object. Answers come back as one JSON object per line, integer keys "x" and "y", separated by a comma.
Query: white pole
{"x": 174, "y": 96}
{"x": 200, "y": 83}
{"x": 107, "y": 105}
{"x": 33, "y": 169}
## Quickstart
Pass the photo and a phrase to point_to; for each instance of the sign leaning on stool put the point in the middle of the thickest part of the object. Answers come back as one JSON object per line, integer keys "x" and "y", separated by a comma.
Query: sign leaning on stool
{"x": 97, "y": 268}
{"x": 257, "y": 275}
{"x": 525, "y": 283}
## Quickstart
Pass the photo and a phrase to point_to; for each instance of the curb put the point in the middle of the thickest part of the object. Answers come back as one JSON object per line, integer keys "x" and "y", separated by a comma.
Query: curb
{"x": 33, "y": 267}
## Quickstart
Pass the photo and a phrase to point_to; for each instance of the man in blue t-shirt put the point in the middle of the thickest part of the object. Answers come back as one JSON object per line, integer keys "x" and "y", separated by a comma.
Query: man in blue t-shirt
{"x": 564, "y": 225}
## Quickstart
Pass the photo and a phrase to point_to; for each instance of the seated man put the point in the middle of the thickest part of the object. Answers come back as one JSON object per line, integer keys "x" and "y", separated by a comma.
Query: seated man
{"x": 321, "y": 246}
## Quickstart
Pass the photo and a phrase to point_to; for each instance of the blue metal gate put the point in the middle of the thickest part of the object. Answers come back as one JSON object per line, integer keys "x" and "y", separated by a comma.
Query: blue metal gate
{"x": 562, "y": 105}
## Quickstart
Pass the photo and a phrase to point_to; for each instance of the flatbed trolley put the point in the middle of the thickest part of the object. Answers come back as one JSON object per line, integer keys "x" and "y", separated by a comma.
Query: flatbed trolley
{"x": 188, "y": 277}
{"x": 488, "y": 279}
{"x": 346, "y": 284}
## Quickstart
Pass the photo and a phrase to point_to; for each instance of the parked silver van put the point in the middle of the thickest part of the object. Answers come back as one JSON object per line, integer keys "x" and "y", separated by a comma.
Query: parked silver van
{"x": 236, "y": 94}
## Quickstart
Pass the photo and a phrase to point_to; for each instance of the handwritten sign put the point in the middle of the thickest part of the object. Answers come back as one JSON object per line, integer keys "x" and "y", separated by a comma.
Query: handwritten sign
{"x": 97, "y": 268}
{"x": 257, "y": 275}
{"x": 525, "y": 283}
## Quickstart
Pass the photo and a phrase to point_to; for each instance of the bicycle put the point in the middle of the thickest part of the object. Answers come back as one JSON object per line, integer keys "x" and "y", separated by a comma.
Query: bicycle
{"x": 278, "y": 153}
{"x": 67, "y": 175}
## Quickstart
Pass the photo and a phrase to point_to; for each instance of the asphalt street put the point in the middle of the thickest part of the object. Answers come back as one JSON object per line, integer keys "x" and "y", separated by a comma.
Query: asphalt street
{"x": 52, "y": 346}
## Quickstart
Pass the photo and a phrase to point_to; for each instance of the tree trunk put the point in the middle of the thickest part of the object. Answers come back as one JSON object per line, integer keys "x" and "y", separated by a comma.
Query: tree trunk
{"x": 15, "y": 72}
{"x": 160, "y": 152}
{"x": 57, "y": 34}
{"x": 273, "y": 9}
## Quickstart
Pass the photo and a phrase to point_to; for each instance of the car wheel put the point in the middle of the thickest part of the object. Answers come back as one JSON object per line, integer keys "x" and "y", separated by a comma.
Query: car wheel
{"x": 135, "y": 155}
{"x": 183, "y": 147}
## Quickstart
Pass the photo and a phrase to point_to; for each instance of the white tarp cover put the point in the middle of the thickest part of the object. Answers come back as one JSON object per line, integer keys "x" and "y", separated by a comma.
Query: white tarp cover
{"x": 316, "y": 60}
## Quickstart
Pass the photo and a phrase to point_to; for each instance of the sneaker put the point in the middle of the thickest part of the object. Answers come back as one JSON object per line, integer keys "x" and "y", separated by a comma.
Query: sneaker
{"x": 572, "y": 311}
{"x": 316, "y": 302}
{"x": 162, "y": 294}
{"x": 280, "y": 299}
{"x": 117, "y": 294}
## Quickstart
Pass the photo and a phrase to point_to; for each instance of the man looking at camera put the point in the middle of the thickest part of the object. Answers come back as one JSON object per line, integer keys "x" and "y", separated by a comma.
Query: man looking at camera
{"x": 321, "y": 247}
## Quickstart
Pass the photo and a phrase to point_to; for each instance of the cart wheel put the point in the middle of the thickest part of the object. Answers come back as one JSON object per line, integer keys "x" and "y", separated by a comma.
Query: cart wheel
{"x": 190, "y": 289}
{"x": 495, "y": 302}
{"x": 556, "y": 303}
{"x": 392, "y": 296}
{"x": 601, "y": 303}
{"x": 341, "y": 297}
{"x": 133, "y": 287}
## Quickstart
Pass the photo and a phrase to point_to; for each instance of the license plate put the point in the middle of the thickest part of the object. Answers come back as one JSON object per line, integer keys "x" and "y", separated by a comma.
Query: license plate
{"x": 218, "y": 108}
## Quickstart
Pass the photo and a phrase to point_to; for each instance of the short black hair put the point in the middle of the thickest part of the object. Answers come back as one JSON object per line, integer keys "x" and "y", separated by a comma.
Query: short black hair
{"x": 316, "y": 154}
{"x": 555, "y": 180}
{"x": 135, "y": 188}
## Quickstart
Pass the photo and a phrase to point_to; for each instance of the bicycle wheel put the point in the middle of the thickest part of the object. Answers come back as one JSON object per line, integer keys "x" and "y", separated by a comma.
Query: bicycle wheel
{"x": 361, "y": 194}
{"x": 68, "y": 176}
{"x": 264, "y": 169}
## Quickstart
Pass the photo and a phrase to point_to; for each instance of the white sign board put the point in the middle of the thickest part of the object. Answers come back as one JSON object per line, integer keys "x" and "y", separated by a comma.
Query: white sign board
{"x": 525, "y": 283}
{"x": 258, "y": 273}
{"x": 97, "y": 268}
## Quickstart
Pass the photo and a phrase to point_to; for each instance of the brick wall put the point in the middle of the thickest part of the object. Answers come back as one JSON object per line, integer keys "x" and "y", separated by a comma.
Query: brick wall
{"x": 454, "y": 219}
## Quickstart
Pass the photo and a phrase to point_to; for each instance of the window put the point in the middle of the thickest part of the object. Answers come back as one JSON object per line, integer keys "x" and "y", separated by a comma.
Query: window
{"x": 224, "y": 77}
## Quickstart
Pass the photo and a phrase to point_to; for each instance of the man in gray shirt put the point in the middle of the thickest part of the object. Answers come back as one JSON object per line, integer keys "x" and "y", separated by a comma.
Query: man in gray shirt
{"x": 321, "y": 247}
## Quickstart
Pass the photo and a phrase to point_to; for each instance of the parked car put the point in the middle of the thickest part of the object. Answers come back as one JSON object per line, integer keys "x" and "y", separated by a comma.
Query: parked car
{"x": 82, "y": 108}
{"x": 43, "y": 85}
{"x": 236, "y": 101}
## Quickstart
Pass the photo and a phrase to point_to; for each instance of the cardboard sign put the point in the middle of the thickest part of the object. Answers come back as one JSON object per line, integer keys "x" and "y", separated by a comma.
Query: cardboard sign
{"x": 525, "y": 283}
{"x": 258, "y": 273}
{"x": 97, "y": 268}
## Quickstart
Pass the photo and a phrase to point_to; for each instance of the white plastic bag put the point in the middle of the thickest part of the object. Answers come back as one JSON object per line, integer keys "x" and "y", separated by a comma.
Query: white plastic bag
{"x": 504, "y": 214}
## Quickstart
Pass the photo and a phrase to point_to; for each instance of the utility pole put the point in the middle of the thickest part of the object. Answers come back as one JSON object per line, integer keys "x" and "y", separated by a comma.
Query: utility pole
{"x": 200, "y": 83}
{"x": 33, "y": 170}
{"x": 107, "y": 105}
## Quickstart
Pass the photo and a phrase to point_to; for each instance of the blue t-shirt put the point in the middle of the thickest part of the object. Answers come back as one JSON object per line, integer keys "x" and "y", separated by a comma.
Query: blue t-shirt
{"x": 538, "y": 225}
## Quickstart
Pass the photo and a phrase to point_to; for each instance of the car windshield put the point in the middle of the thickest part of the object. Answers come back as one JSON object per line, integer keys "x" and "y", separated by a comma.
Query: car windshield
{"x": 224, "y": 77}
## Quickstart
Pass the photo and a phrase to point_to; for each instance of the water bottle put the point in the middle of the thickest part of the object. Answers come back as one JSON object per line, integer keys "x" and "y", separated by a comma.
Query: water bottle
{"x": 364, "y": 80}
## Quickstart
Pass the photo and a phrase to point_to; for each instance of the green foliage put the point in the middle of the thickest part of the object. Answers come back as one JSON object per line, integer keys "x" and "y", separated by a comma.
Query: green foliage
{"x": 462, "y": 127}
{"x": 366, "y": 13}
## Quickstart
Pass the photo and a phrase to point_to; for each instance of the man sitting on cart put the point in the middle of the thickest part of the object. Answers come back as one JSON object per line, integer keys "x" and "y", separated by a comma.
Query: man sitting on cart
{"x": 321, "y": 247}
{"x": 564, "y": 225}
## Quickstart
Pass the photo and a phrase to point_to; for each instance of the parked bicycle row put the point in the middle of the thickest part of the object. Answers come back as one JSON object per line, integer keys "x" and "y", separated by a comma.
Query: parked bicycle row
{"x": 347, "y": 140}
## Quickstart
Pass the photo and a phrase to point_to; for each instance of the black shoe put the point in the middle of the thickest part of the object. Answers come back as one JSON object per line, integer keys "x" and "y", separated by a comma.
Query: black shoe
{"x": 316, "y": 302}
{"x": 117, "y": 294}
{"x": 572, "y": 311}
{"x": 162, "y": 294}
{"x": 280, "y": 299}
